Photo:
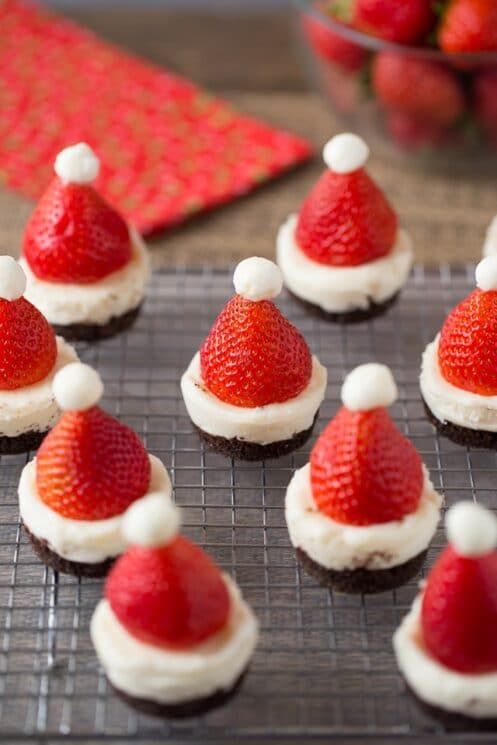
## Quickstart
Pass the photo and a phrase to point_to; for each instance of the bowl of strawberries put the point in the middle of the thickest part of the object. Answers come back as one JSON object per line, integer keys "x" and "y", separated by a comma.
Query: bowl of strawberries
{"x": 419, "y": 75}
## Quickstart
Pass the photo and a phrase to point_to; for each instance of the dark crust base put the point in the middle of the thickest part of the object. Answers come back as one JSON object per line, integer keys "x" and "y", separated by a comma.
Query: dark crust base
{"x": 181, "y": 711}
{"x": 351, "y": 316}
{"x": 93, "y": 332}
{"x": 251, "y": 451}
{"x": 356, "y": 581}
{"x": 21, "y": 443}
{"x": 59, "y": 564}
{"x": 452, "y": 721}
{"x": 476, "y": 438}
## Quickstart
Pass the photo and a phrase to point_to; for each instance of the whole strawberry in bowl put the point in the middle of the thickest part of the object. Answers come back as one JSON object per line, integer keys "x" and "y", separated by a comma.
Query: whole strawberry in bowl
{"x": 417, "y": 76}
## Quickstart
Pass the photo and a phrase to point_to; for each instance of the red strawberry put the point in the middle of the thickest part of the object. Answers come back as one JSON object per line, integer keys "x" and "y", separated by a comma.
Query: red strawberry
{"x": 332, "y": 46}
{"x": 459, "y": 607}
{"x": 413, "y": 133}
{"x": 467, "y": 351}
{"x": 90, "y": 466}
{"x": 75, "y": 236}
{"x": 253, "y": 356}
{"x": 485, "y": 100}
{"x": 363, "y": 470}
{"x": 173, "y": 596}
{"x": 405, "y": 22}
{"x": 346, "y": 220}
{"x": 469, "y": 26}
{"x": 28, "y": 346}
{"x": 424, "y": 89}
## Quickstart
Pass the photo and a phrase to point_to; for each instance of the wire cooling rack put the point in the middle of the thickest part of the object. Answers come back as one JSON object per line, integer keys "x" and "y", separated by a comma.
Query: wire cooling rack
{"x": 324, "y": 668}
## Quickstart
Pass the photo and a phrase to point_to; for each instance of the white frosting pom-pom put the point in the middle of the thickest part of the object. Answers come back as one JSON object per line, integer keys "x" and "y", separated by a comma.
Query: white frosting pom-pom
{"x": 12, "y": 279}
{"x": 152, "y": 521}
{"x": 257, "y": 279}
{"x": 490, "y": 245}
{"x": 345, "y": 153}
{"x": 471, "y": 529}
{"x": 486, "y": 273}
{"x": 77, "y": 164}
{"x": 368, "y": 387}
{"x": 77, "y": 387}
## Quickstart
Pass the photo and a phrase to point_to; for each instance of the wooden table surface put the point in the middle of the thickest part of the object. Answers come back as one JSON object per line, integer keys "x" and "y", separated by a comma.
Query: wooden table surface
{"x": 252, "y": 59}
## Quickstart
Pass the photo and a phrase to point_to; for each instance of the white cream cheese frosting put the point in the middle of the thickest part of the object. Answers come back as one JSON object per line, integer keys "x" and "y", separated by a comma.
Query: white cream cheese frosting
{"x": 471, "y": 695}
{"x": 87, "y": 541}
{"x": 33, "y": 408}
{"x": 336, "y": 546}
{"x": 172, "y": 676}
{"x": 451, "y": 404}
{"x": 95, "y": 303}
{"x": 339, "y": 289}
{"x": 262, "y": 424}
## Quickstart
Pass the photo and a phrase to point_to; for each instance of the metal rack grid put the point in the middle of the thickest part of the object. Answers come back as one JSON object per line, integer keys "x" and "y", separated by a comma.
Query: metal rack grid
{"x": 324, "y": 667}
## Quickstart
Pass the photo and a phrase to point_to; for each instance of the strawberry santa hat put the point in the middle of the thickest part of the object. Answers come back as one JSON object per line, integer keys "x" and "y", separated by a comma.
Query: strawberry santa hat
{"x": 467, "y": 350}
{"x": 363, "y": 469}
{"x": 74, "y": 235}
{"x": 458, "y": 378}
{"x": 459, "y": 606}
{"x": 172, "y": 633}
{"x": 28, "y": 344}
{"x": 362, "y": 512}
{"x": 252, "y": 359}
{"x": 446, "y": 646}
{"x": 346, "y": 220}
{"x": 91, "y": 466}
{"x": 165, "y": 590}
{"x": 253, "y": 355}
{"x": 344, "y": 256}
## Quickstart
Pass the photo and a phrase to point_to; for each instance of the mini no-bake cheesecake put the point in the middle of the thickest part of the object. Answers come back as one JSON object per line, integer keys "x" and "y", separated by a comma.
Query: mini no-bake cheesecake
{"x": 363, "y": 511}
{"x": 89, "y": 470}
{"x": 344, "y": 256}
{"x": 254, "y": 389}
{"x": 459, "y": 368}
{"x": 446, "y": 647}
{"x": 173, "y": 633}
{"x": 86, "y": 268}
{"x": 30, "y": 357}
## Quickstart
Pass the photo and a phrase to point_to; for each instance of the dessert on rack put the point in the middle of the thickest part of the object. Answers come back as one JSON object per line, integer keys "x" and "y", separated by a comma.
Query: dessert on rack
{"x": 446, "y": 647}
{"x": 86, "y": 268}
{"x": 89, "y": 470}
{"x": 459, "y": 368}
{"x": 344, "y": 256}
{"x": 363, "y": 511}
{"x": 30, "y": 356}
{"x": 173, "y": 633}
{"x": 254, "y": 389}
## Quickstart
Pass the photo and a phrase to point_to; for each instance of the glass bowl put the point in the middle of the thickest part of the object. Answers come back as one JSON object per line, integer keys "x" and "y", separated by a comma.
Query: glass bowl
{"x": 367, "y": 83}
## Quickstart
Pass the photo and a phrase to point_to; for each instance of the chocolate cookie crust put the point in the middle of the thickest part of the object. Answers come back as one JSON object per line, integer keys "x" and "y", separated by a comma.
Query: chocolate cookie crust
{"x": 59, "y": 564}
{"x": 452, "y": 721}
{"x": 476, "y": 438}
{"x": 356, "y": 581}
{"x": 251, "y": 451}
{"x": 181, "y": 710}
{"x": 351, "y": 316}
{"x": 94, "y": 332}
{"x": 21, "y": 443}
